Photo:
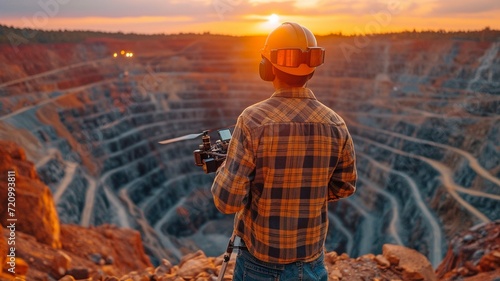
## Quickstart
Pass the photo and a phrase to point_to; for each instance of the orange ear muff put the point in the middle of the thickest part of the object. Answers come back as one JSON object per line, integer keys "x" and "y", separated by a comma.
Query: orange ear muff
{"x": 266, "y": 70}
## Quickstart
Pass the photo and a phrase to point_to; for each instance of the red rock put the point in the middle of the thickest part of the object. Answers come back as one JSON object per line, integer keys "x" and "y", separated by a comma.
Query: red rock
{"x": 414, "y": 265}
{"x": 476, "y": 246}
{"x": 394, "y": 260}
{"x": 335, "y": 274}
{"x": 482, "y": 276}
{"x": 123, "y": 245}
{"x": 3, "y": 249}
{"x": 331, "y": 257}
{"x": 13, "y": 150}
{"x": 490, "y": 261}
{"x": 164, "y": 268}
{"x": 471, "y": 267}
{"x": 34, "y": 206}
{"x": 194, "y": 264}
{"x": 79, "y": 273}
{"x": 67, "y": 278}
{"x": 15, "y": 267}
{"x": 382, "y": 261}
{"x": 344, "y": 256}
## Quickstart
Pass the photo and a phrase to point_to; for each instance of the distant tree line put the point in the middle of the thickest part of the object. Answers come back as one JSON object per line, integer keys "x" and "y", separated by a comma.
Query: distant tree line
{"x": 13, "y": 35}
{"x": 17, "y": 36}
{"x": 486, "y": 34}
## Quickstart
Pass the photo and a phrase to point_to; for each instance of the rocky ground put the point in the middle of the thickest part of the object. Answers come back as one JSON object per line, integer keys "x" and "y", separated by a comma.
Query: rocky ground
{"x": 47, "y": 250}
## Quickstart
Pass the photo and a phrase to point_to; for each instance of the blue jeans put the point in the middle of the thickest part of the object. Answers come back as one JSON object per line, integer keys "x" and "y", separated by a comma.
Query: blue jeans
{"x": 248, "y": 268}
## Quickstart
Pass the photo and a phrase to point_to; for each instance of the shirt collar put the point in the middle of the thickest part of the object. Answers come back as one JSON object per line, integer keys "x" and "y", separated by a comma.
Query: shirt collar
{"x": 297, "y": 92}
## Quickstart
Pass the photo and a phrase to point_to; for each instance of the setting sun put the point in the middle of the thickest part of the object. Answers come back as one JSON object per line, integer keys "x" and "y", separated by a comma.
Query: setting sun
{"x": 273, "y": 19}
{"x": 271, "y": 22}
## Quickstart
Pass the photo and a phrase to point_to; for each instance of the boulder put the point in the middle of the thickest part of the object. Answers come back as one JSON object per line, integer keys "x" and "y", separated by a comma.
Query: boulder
{"x": 193, "y": 265}
{"x": 414, "y": 265}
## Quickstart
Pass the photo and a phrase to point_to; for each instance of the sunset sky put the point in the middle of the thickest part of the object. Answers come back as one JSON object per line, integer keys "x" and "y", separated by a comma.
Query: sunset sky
{"x": 248, "y": 17}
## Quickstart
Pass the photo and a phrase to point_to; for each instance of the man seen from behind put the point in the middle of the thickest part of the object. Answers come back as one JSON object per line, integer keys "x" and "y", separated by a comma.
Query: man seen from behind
{"x": 288, "y": 157}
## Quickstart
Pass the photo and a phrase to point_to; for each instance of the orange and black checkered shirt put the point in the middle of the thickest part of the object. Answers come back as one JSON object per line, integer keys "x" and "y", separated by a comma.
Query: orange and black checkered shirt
{"x": 288, "y": 156}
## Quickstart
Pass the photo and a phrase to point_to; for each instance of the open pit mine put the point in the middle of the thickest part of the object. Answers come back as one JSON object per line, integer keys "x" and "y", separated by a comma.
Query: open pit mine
{"x": 424, "y": 114}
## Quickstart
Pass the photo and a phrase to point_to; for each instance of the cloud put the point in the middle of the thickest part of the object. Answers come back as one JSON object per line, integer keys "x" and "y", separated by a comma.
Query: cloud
{"x": 48, "y": 13}
{"x": 195, "y": 8}
{"x": 260, "y": 8}
{"x": 450, "y": 7}
{"x": 208, "y": 9}
{"x": 108, "y": 8}
{"x": 240, "y": 16}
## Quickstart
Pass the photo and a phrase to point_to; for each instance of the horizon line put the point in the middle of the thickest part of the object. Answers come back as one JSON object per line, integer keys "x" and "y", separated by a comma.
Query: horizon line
{"x": 337, "y": 33}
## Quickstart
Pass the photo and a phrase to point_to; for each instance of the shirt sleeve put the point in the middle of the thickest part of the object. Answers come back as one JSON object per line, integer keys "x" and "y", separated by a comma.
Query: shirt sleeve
{"x": 343, "y": 181}
{"x": 233, "y": 178}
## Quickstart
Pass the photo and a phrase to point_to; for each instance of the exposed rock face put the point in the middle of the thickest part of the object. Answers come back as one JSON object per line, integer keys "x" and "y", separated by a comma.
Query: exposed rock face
{"x": 34, "y": 206}
{"x": 45, "y": 249}
{"x": 474, "y": 252}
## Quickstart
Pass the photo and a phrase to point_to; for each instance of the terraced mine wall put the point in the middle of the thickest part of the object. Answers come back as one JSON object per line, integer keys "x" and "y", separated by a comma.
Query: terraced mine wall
{"x": 424, "y": 115}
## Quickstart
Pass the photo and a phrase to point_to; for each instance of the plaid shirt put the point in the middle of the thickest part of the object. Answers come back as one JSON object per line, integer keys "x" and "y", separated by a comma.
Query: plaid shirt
{"x": 288, "y": 156}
